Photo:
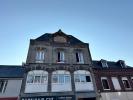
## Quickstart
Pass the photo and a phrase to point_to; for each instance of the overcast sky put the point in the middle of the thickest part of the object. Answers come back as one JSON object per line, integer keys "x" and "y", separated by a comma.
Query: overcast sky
{"x": 107, "y": 25}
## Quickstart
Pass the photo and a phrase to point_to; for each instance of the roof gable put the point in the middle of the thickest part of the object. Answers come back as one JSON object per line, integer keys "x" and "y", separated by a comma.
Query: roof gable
{"x": 60, "y": 37}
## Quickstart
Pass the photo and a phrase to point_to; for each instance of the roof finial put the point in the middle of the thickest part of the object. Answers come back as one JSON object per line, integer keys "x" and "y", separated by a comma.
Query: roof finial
{"x": 60, "y": 31}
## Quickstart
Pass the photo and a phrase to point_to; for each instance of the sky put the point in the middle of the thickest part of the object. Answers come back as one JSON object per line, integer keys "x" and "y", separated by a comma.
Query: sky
{"x": 107, "y": 25}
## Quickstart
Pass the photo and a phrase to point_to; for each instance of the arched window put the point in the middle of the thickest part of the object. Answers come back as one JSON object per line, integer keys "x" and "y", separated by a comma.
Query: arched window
{"x": 83, "y": 80}
{"x": 61, "y": 81}
{"x": 36, "y": 79}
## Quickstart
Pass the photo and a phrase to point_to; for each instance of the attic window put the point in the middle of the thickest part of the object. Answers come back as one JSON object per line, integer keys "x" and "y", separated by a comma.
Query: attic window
{"x": 104, "y": 63}
{"x": 60, "y": 39}
{"x": 122, "y": 63}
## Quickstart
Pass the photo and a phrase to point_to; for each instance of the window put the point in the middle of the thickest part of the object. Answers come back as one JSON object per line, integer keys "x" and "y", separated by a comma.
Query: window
{"x": 126, "y": 83}
{"x": 40, "y": 55}
{"x": 3, "y": 84}
{"x": 61, "y": 78}
{"x": 37, "y": 77}
{"x": 105, "y": 83}
{"x": 82, "y": 78}
{"x": 79, "y": 57}
{"x": 61, "y": 57}
{"x": 116, "y": 83}
{"x": 104, "y": 63}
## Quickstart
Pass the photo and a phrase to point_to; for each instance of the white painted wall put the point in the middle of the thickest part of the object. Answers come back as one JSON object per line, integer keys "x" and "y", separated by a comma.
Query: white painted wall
{"x": 61, "y": 87}
{"x": 12, "y": 88}
{"x": 33, "y": 88}
{"x": 117, "y": 96}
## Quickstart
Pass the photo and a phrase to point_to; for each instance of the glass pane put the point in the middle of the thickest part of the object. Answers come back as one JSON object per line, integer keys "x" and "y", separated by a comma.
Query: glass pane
{"x": 77, "y": 78}
{"x": 55, "y": 79}
{"x": 88, "y": 79}
{"x": 105, "y": 84}
{"x": 43, "y": 79}
{"x": 82, "y": 78}
{"x": 126, "y": 84}
{"x": 61, "y": 78}
{"x": 30, "y": 79}
{"x": 67, "y": 79}
{"x": 37, "y": 79}
{"x": 1, "y": 85}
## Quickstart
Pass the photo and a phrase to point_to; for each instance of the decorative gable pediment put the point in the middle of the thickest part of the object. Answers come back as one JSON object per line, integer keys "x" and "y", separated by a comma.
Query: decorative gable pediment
{"x": 60, "y": 37}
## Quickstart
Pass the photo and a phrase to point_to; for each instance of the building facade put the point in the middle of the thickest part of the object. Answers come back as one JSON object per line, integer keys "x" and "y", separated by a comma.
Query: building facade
{"x": 58, "y": 67}
{"x": 114, "y": 80}
{"x": 10, "y": 82}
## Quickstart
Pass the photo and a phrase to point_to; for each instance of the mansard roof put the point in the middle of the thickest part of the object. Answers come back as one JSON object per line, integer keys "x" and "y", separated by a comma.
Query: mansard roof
{"x": 10, "y": 71}
{"x": 48, "y": 36}
{"x": 111, "y": 64}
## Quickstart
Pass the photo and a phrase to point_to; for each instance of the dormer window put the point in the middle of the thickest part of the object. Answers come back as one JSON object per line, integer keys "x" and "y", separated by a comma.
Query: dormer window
{"x": 40, "y": 55}
{"x": 61, "y": 57}
{"x": 79, "y": 57}
{"x": 104, "y": 63}
{"x": 122, "y": 63}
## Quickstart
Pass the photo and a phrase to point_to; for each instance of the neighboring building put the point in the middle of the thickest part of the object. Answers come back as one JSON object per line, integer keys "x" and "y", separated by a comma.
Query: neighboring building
{"x": 58, "y": 67}
{"x": 114, "y": 80}
{"x": 10, "y": 82}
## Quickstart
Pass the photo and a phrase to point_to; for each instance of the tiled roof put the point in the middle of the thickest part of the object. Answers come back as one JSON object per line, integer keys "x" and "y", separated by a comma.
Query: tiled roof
{"x": 111, "y": 64}
{"x": 48, "y": 36}
{"x": 7, "y": 71}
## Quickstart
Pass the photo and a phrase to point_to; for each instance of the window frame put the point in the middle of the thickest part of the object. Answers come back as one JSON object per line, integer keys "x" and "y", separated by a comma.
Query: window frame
{"x": 61, "y": 56}
{"x": 61, "y": 78}
{"x": 82, "y": 78}
{"x": 126, "y": 79}
{"x": 40, "y": 55}
{"x": 34, "y": 75}
{"x": 3, "y": 88}
{"x": 105, "y": 78}
{"x": 79, "y": 57}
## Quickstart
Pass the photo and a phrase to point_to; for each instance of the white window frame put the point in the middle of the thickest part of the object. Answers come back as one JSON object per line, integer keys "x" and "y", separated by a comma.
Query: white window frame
{"x": 65, "y": 77}
{"x": 104, "y": 64}
{"x": 34, "y": 74}
{"x": 62, "y": 57}
{"x": 40, "y": 56}
{"x": 61, "y": 78}
{"x": 3, "y": 88}
{"x": 80, "y": 57}
{"x": 81, "y": 76}
{"x": 105, "y": 78}
{"x": 125, "y": 78}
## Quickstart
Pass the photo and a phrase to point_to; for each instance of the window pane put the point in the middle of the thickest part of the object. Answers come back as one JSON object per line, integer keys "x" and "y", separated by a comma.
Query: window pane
{"x": 43, "y": 79}
{"x": 105, "y": 84}
{"x": 1, "y": 85}
{"x": 67, "y": 79}
{"x": 82, "y": 78}
{"x": 77, "y": 57}
{"x": 77, "y": 78}
{"x": 61, "y": 78}
{"x": 55, "y": 79}
{"x": 30, "y": 79}
{"x": 126, "y": 83}
{"x": 88, "y": 79}
{"x": 37, "y": 79}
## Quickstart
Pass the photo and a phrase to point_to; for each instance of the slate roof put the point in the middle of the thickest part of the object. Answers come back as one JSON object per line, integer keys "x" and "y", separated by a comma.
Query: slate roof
{"x": 49, "y": 36}
{"x": 7, "y": 71}
{"x": 111, "y": 64}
